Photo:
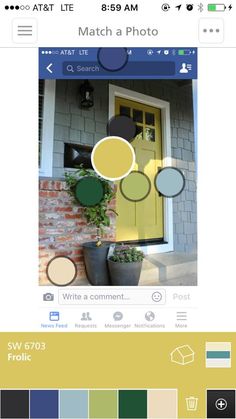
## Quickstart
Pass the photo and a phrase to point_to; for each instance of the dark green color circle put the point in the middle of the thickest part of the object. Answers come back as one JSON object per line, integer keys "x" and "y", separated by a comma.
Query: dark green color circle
{"x": 89, "y": 191}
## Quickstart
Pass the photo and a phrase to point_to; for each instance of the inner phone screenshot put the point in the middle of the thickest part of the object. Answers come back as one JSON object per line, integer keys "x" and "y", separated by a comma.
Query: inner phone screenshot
{"x": 118, "y": 211}
{"x": 117, "y": 187}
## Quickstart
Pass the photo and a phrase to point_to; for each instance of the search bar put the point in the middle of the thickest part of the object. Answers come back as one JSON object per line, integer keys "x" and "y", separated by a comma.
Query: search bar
{"x": 133, "y": 68}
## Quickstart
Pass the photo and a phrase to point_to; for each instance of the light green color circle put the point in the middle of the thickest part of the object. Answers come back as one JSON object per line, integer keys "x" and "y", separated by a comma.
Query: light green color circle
{"x": 136, "y": 186}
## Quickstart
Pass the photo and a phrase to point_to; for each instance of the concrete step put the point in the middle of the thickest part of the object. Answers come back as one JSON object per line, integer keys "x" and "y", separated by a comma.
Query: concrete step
{"x": 169, "y": 269}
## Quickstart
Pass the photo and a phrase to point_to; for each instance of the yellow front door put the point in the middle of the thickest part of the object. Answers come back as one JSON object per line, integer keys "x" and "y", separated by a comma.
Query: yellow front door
{"x": 142, "y": 220}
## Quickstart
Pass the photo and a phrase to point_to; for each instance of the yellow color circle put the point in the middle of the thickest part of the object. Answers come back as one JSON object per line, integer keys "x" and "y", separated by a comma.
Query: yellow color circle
{"x": 113, "y": 158}
{"x": 136, "y": 186}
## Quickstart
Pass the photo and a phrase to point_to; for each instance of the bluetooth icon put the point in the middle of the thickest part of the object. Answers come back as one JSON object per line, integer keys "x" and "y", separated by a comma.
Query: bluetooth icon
{"x": 200, "y": 7}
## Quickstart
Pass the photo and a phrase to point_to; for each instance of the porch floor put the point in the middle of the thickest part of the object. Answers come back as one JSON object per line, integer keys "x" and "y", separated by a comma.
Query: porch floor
{"x": 166, "y": 269}
{"x": 169, "y": 269}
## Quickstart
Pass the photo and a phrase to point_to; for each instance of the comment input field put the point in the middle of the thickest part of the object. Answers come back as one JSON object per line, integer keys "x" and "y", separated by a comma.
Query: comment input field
{"x": 112, "y": 297}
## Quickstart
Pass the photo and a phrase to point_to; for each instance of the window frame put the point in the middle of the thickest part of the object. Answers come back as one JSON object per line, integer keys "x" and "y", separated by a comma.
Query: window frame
{"x": 46, "y": 166}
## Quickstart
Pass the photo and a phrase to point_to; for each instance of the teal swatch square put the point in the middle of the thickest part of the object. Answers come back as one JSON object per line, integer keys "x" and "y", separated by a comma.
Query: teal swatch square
{"x": 73, "y": 404}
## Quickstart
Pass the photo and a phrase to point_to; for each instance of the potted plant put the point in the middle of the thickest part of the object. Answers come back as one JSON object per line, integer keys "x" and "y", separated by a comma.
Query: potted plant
{"x": 125, "y": 265}
{"x": 95, "y": 253}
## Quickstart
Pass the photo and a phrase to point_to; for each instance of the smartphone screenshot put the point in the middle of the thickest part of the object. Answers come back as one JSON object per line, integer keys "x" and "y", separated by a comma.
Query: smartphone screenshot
{"x": 127, "y": 220}
{"x": 118, "y": 210}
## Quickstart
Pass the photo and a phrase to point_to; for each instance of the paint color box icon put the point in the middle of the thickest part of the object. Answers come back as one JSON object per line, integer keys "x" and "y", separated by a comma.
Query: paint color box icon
{"x": 162, "y": 404}
{"x": 73, "y": 404}
{"x": 44, "y": 404}
{"x": 103, "y": 404}
{"x": 133, "y": 404}
{"x": 218, "y": 355}
{"x": 14, "y": 404}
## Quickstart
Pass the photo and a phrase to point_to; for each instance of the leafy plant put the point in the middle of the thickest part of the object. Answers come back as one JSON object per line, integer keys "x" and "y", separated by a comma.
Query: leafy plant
{"x": 127, "y": 254}
{"x": 96, "y": 215}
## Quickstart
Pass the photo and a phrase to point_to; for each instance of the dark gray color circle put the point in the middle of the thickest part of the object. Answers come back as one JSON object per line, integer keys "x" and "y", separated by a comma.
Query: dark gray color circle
{"x": 170, "y": 182}
{"x": 121, "y": 126}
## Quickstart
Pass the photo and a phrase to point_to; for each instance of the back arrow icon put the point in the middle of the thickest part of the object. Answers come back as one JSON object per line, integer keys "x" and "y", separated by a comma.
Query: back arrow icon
{"x": 49, "y": 68}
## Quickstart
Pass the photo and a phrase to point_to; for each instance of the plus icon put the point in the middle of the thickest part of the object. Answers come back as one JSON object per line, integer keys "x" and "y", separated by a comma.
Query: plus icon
{"x": 221, "y": 404}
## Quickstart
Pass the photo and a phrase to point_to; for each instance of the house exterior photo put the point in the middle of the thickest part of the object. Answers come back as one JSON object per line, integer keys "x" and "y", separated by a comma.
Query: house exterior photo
{"x": 164, "y": 228}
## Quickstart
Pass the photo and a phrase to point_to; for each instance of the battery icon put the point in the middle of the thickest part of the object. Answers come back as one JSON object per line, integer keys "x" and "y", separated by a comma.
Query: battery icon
{"x": 184, "y": 52}
{"x": 216, "y": 7}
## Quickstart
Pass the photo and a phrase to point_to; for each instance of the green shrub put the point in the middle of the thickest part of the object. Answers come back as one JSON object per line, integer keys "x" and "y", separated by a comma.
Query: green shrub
{"x": 127, "y": 254}
{"x": 98, "y": 214}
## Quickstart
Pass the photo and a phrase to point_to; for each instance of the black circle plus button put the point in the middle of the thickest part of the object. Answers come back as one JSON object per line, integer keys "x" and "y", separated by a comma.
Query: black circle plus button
{"x": 221, "y": 404}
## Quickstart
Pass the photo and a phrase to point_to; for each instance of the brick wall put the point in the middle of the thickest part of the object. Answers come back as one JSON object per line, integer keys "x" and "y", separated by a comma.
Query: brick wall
{"x": 62, "y": 228}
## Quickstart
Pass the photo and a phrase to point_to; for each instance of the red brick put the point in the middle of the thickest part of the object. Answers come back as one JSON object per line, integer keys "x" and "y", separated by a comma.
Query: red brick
{"x": 59, "y": 186}
{"x": 44, "y": 255}
{"x": 78, "y": 251}
{"x": 43, "y": 193}
{"x": 53, "y": 194}
{"x": 81, "y": 223}
{"x": 77, "y": 259}
{"x": 42, "y": 184}
{"x": 64, "y": 238}
{"x": 63, "y": 209}
{"x": 43, "y": 223}
{"x": 63, "y": 253}
{"x": 71, "y": 216}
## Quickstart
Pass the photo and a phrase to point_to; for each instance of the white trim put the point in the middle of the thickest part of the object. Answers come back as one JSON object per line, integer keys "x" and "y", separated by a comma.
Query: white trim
{"x": 48, "y": 128}
{"x": 167, "y": 160}
{"x": 195, "y": 119}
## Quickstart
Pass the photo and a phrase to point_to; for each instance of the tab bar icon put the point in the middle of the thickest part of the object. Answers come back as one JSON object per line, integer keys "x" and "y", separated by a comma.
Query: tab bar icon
{"x": 218, "y": 355}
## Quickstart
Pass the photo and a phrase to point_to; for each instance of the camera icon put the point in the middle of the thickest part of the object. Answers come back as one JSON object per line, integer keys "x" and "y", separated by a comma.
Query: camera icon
{"x": 189, "y": 7}
{"x": 48, "y": 297}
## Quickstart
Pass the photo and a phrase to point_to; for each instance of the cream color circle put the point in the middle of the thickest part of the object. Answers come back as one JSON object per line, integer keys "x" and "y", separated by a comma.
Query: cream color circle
{"x": 61, "y": 270}
{"x": 113, "y": 158}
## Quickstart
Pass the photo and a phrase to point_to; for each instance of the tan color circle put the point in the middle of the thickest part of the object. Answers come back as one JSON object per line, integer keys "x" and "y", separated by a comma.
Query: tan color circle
{"x": 113, "y": 158}
{"x": 61, "y": 271}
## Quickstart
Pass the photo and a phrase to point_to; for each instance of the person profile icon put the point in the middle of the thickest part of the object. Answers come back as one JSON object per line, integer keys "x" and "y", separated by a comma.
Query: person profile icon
{"x": 183, "y": 69}
{"x": 86, "y": 316}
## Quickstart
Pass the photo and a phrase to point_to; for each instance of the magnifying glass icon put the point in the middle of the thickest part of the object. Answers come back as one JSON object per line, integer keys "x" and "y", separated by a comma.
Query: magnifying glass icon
{"x": 70, "y": 68}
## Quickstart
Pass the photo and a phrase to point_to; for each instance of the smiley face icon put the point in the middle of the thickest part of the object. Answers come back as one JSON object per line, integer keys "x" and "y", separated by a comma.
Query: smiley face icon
{"x": 157, "y": 296}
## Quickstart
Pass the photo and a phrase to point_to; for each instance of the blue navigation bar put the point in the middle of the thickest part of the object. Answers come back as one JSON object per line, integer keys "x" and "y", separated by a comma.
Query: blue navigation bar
{"x": 153, "y": 63}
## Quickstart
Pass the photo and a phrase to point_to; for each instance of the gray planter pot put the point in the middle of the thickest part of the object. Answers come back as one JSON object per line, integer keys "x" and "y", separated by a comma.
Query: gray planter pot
{"x": 95, "y": 260}
{"x": 124, "y": 274}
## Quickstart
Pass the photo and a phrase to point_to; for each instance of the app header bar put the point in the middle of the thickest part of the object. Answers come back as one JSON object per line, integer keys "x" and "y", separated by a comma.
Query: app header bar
{"x": 118, "y": 63}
